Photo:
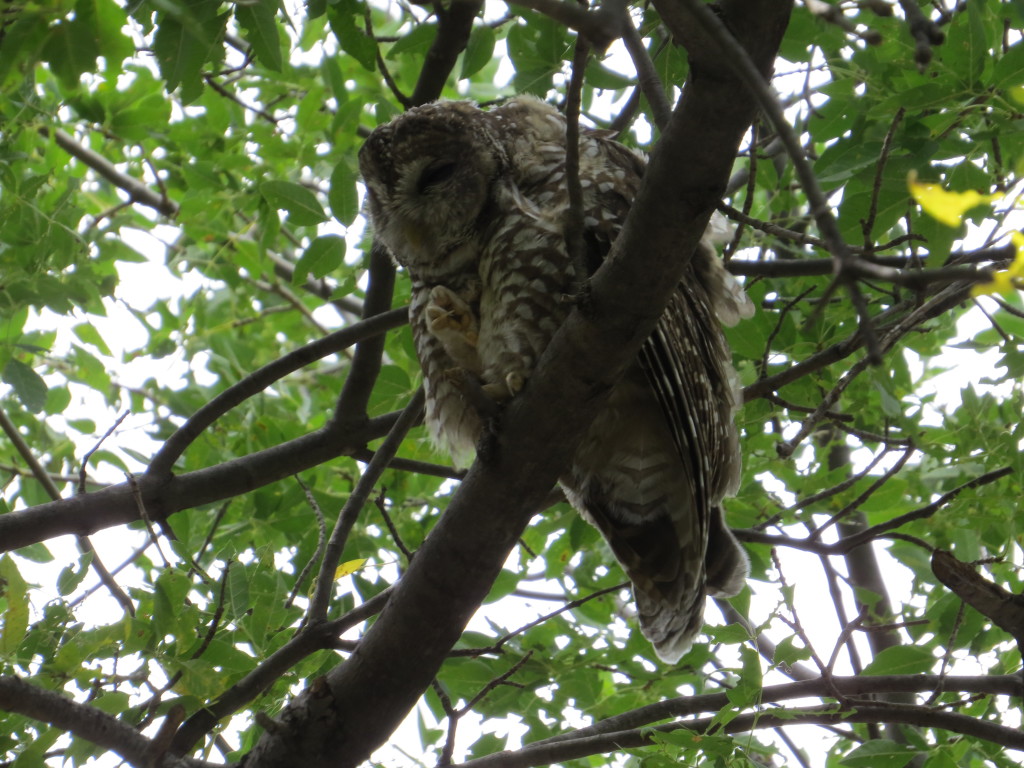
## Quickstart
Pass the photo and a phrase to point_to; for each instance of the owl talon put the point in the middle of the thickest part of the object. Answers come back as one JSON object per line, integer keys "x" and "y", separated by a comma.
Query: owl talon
{"x": 477, "y": 395}
{"x": 515, "y": 383}
{"x": 507, "y": 389}
{"x": 447, "y": 314}
{"x": 451, "y": 321}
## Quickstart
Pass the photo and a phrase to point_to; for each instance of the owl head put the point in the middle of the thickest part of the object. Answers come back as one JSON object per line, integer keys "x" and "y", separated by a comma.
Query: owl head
{"x": 429, "y": 175}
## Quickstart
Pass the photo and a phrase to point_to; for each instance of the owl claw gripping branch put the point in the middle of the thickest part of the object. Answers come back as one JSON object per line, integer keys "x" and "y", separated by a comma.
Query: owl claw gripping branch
{"x": 472, "y": 204}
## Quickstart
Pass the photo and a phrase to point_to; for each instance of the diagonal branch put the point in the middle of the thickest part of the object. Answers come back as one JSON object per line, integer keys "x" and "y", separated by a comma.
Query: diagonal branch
{"x": 259, "y": 380}
{"x": 86, "y": 722}
{"x": 454, "y": 568}
{"x": 138, "y": 192}
{"x": 454, "y": 24}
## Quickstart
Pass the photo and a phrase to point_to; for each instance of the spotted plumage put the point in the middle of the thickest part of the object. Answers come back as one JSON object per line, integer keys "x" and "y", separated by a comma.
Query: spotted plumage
{"x": 473, "y": 205}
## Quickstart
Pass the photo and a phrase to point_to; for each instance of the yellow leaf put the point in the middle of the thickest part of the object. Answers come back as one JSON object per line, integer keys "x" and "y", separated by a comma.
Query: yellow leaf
{"x": 350, "y": 567}
{"x": 1017, "y": 93}
{"x": 946, "y": 207}
{"x": 1007, "y": 280}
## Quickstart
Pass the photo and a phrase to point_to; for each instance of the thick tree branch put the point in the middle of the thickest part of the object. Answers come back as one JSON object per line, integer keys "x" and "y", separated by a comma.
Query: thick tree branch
{"x": 818, "y": 687}
{"x": 1000, "y": 255}
{"x": 84, "y": 545}
{"x": 163, "y": 496}
{"x": 366, "y": 362}
{"x": 453, "y": 570}
{"x": 86, "y": 722}
{"x": 550, "y": 752}
{"x": 1004, "y": 608}
{"x": 454, "y": 23}
{"x": 601, "y": 26}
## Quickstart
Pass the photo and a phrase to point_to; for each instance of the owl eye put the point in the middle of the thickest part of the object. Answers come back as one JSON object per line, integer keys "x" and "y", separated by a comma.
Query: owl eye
{"x": 434, "y": 175}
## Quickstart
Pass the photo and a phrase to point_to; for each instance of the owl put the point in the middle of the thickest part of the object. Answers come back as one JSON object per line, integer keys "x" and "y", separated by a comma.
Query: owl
{"x": 473, "y": 204}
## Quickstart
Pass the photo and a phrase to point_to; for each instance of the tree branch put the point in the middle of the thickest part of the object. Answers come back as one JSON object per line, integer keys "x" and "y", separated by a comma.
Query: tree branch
{"x": 454, "y": 568}
{"x": 85, "y": 722}
{"x": 257, "y": 381}
{"x": 454, "y": 24}
{"x": 366, "y": 362}
{"x": 163, "y": 496}
{"x": 137, "y": 191}
{"x": 817, "y": 687}
{"x": 548, "y": 752}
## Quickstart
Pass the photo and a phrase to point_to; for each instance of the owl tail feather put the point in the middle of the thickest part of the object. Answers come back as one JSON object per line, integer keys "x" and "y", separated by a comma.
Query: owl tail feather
{"x": 667, "y": 574}
{"x": 672, "y": 573}
{"x": 671, "y": 627}
{"x": 671, "y": 617}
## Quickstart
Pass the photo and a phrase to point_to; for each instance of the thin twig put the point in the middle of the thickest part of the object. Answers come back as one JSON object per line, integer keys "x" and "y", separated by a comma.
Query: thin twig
{"x": 647, "y": 76}
{"x": 381, "y": 503}
{"x": 84, "y": 544}
{"x": 260, "y": 379}
{"x": 881, "y": 530}
{"x": 911, "y": 449}
{"x": 574, "y": 213}
{"x": 321, "y": 542}
{"x": 82, "y": 473}
{"x": 868, "y": 224}
{"x": 413, "y": 412}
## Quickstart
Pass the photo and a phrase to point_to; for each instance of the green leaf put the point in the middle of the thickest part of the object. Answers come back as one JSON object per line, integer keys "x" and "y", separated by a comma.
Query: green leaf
{"x": 879, "y": 753}
{"x": 479, "y": 51}
{"x": 323, "y": 256}
{"x": 901, "y": 660}
{"x": 87, "y": 332}
{"x": 601, "y": 76}
{"x": 70, "y": 577}
{"x": 342, "y": 196}
{"x": 28, "y": 385}
{"x": 258, "y": 19}
{"x": 71, "y": 51}
{"x": 352, "y": 39}
{"x": 14, "y": 591}
{"x": 188, "y": 36}
{"x": 506, "y": 582}
{"x": 303, "y": 208}
{"x": 1009, "y": 69}
{"x": 786, "y": 652}
{"x": 238, "y": 591}
{"x": 416, "y": 42}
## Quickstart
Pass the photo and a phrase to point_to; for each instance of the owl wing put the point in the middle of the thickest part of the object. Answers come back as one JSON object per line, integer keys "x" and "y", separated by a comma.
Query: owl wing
{"x": 653, "y": 469}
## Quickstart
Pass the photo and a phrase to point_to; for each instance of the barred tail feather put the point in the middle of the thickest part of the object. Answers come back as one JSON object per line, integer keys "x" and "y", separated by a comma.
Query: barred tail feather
{"x": 669, "y": 625}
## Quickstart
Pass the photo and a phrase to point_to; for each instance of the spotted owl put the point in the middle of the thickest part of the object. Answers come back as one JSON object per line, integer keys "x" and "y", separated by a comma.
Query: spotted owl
{"x": 473, "y": 205}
